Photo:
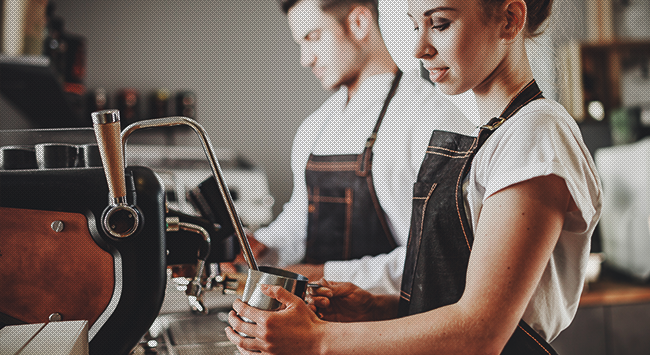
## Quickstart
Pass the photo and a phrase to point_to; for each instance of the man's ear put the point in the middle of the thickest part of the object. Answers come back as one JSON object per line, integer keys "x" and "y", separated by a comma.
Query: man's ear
{"x": 515, "y": 13}
{"x": 359, "y": 22}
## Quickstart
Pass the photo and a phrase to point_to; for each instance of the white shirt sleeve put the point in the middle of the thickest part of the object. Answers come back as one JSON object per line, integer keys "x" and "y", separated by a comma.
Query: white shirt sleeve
{"x": 285, "y": 236}
{"x": 543, "y": 139}
{"x": 534, "y": 144}
{"x": 381, "y": 274}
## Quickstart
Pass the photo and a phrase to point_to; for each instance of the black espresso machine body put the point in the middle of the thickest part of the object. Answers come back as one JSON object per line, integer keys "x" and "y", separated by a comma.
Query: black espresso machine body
{"x": 59, "y": 262}
{"x": 42, "y": 280}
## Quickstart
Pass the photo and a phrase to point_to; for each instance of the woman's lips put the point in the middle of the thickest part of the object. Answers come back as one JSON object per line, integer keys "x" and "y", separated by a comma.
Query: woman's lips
{"x": 437, "y": 74}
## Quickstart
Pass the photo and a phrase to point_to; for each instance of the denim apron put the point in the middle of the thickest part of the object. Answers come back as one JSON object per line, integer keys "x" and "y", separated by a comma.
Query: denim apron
{"x": 345, "y": 220}
{"x": 441, "y": 238}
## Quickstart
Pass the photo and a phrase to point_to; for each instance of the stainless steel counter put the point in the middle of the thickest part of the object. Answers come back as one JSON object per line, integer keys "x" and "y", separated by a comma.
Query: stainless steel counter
{"x": 189, "y": 334}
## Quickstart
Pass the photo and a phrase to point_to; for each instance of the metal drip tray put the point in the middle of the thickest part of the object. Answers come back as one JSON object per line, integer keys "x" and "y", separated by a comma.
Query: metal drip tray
{"x": 190, "y": 334}
{"x": 198, "y": 330}
{"x": 207, "y": 350}
{"x": 204, "y": 349}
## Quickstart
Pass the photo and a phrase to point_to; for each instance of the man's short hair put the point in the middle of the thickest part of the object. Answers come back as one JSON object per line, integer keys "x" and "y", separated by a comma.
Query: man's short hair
{"x": 337, "y": 8}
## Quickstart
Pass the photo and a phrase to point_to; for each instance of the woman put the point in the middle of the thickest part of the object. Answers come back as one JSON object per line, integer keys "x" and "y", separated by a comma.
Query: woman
{"x": 501, "y": 222}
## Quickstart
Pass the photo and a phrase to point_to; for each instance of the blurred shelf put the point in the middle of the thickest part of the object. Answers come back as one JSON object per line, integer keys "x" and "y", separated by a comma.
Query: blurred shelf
{"x": 611, "y": 290}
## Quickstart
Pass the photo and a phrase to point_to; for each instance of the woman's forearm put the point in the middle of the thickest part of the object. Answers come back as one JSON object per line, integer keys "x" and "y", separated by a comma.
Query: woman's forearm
{"x": 385, "y": 307}
{"x": 448, "y": 330}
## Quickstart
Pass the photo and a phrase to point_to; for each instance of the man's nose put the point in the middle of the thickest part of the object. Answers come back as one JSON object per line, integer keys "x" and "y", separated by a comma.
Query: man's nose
{"x": 307, "y": 57}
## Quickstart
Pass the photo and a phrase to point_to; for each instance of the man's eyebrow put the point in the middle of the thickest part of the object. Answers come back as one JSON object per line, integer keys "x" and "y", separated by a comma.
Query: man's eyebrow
{"x": 434, "y": 10}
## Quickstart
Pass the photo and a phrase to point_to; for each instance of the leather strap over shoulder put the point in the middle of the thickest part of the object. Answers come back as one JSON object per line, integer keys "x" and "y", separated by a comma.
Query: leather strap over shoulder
{"x": 366, "y": 156}
{"x": 529, "y": 93}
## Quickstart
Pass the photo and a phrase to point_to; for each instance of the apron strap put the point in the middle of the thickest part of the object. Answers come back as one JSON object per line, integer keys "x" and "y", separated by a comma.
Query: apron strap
{"x": 364, "y": 159}
{"x": 529, "y": 93}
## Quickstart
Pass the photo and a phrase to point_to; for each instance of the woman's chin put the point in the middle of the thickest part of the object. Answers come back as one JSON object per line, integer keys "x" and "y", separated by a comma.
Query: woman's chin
{"x": 450, "y": 90}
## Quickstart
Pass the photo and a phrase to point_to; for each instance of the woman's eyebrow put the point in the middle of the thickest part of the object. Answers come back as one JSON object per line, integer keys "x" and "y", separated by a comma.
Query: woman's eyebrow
{"x": 434, "y": 10}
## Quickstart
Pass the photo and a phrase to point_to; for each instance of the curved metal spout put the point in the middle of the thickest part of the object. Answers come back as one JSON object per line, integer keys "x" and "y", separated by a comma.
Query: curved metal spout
{"x": 216, "y": 171}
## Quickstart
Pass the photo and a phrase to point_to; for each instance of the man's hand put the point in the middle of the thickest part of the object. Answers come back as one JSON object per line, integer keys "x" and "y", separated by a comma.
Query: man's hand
{"x": 346, "y": 302}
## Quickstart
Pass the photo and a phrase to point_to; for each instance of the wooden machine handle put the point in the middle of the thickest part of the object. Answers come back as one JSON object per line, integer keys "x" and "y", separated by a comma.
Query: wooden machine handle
{"x": 107, "y": 130}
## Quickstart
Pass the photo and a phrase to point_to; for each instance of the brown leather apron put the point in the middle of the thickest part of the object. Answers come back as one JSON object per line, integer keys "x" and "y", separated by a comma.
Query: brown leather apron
{"x": 345, "y": 220}
{"x": 441, "y": 237}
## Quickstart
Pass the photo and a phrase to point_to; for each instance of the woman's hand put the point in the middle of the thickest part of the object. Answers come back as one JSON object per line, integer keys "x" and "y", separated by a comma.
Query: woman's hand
{"x": 346, "y": 302}
{"x": 294, "y": 329}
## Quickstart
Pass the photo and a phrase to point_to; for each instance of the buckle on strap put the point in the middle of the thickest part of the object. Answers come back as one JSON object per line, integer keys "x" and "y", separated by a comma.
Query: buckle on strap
{"x": 371, "y": 140}
{"x": 494, "y": 123}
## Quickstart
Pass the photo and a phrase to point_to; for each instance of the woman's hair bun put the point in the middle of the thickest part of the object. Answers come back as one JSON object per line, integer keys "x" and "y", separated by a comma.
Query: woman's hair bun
{"x": 538, "y": 12}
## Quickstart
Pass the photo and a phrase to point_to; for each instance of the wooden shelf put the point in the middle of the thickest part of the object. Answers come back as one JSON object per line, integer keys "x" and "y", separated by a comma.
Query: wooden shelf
{"x": 612, "y": 291}
{"x": 593, "y": 73}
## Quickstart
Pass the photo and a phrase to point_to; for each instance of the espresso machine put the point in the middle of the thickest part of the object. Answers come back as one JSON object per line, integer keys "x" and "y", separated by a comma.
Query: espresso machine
{"x": 84, "y": 237}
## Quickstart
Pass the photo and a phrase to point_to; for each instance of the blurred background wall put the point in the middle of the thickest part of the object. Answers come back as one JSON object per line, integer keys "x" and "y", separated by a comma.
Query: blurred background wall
{"x": 239, "y": 58}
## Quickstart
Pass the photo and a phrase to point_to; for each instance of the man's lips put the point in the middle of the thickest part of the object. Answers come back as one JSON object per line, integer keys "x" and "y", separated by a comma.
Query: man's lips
{"x": 318, "y": 72}
{"x": 437, "y": 74}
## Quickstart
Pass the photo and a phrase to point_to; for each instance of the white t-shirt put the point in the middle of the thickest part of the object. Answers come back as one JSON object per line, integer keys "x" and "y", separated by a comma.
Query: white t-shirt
{"x": 543, "y": 139}
{"x": 341, "y": 127}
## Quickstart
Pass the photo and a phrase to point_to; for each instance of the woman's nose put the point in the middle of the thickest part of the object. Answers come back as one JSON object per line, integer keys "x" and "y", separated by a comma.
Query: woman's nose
{"x": 423, "y": 47}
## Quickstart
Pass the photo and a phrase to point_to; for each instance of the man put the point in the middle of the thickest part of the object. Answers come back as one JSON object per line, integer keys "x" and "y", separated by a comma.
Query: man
{"x": 355, "y": 159}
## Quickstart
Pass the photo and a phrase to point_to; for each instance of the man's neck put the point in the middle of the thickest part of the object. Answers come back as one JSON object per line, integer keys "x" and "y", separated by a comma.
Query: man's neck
{"x": 380, "y": 63}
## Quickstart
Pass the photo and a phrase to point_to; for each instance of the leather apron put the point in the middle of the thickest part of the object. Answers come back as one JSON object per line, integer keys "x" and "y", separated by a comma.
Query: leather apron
{"x": 345, "y": 220}
{"x": 441, "y": 237}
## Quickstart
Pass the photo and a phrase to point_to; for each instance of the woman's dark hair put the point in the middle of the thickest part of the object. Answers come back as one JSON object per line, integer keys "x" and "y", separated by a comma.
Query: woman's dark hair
{"x": 335, "y": 6}
{"x": 538, "y": 12}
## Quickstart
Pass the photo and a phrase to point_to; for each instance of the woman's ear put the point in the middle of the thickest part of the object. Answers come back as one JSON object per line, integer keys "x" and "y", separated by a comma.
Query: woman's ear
{"x": 359, "y": 22}
{"x": 516, "y": 13}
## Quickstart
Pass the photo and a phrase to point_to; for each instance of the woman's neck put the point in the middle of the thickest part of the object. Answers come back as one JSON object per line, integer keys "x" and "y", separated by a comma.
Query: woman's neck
{"x": 496, "y": 91}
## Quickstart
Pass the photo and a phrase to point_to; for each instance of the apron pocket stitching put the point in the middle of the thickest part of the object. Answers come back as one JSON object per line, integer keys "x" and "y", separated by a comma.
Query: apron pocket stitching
{"x": 424, "y": 208}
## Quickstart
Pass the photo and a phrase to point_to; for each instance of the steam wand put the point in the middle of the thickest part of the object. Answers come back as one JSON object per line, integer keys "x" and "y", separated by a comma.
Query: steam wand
{"x": 214, "y": 165}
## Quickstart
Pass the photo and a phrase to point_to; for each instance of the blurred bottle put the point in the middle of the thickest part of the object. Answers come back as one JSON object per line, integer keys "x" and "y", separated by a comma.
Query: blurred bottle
{"x": 67, "y": 53}
{"x": 96, "y": 100}
{"x": 186, "y": 104}
{"x": 623, "y": 126}
{"x": 159, "y": 103}
{"x": 35, "y": 18}
{"x": 128, "y": 102}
